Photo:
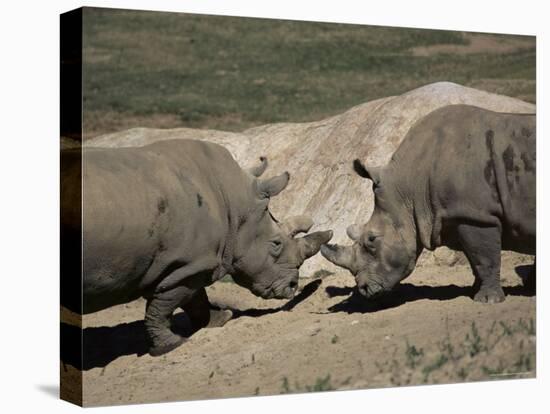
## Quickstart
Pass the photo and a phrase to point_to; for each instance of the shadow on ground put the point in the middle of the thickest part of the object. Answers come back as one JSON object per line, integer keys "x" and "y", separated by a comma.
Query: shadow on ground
{"x": 525, "y": 272}
{"x": 406, "y": 292}
{"x": 104, "y": 344}
{"x": 306, "y": 292}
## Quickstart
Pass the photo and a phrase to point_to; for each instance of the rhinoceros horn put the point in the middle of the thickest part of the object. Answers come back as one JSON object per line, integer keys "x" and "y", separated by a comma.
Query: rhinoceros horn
{"x": 310, "y": 244}
{"x": 259, "y": 169}
{"x": 339, "y": 255}
{"x": 297, "y": 224}
{"x": 354, "y": 232}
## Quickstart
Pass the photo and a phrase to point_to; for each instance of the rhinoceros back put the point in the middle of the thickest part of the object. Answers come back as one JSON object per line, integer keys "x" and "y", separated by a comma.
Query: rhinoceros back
{"x": 474, "y": 165}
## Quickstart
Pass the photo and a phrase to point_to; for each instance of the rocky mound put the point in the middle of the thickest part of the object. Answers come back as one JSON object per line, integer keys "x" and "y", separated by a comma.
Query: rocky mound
{"x": 318, "y": 154}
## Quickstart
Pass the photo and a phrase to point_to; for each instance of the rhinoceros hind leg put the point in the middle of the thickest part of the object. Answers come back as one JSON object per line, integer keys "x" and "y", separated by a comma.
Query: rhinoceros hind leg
{"x": 158, "y": 315}
{"x": 482, "y": 248}
{"x": 490, "y": 295}
{"x": 202, "y": 315}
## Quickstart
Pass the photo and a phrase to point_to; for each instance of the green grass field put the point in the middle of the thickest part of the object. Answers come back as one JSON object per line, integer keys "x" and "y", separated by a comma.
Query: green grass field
{"x": 171, "y": 69}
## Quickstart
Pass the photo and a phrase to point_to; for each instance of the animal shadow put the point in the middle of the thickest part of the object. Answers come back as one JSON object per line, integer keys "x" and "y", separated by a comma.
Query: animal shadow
{"x": 406, "y": 292}
{"x": 102, "y": 345}
{"x": 527, "y": 274}
{"x": 305, "y": 293}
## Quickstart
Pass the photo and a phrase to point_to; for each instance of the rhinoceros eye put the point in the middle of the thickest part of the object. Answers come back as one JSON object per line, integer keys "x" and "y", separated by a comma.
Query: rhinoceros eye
{"x": 372, "y": 238}
{"x": 370, "y": 243}
{"x": 275, "y": 247}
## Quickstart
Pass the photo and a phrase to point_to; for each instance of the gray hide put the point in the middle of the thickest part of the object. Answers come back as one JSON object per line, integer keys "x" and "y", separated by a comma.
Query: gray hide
{"x": 463, "y": 177}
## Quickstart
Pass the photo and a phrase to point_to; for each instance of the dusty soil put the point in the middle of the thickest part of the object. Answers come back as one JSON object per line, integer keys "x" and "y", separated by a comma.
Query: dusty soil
{"x": 427, "y": 331}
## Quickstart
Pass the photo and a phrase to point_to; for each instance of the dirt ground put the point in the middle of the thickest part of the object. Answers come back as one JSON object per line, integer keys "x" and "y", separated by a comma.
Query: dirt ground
{"x": 427, "y": 331}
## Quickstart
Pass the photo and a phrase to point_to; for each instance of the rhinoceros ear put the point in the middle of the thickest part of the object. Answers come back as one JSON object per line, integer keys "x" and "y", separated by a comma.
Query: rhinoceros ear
{"x": 272, "y": 186}
{"x": 259, "y": 169}
{"x": 371, "y": 173}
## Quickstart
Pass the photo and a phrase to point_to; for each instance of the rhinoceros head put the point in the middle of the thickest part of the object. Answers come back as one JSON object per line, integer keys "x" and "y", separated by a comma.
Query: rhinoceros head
{"x": 267, "y": 253}
{"x": 385, "y": 248}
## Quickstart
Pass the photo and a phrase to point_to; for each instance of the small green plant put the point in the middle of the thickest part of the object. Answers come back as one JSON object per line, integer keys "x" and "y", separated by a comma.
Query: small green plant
{"x": 347, "y": 381}
{"x": 506, "y": 329}
{"x": 504, "y": 350}
{"x": 528, "y": 327}
{"x": 523, "y": 364}
{"x": 285, "y": 387}
{"x": 473, "y": 341}
{"x": 438, "y": 363}
{"x": 447, "y": 348}
{"x": 531, "y": 327}
{"x": 321, "y": 384}
{"x": 334, "y": 339}
{"x": 413, "y": 355}
{"x": 462, "y": 373}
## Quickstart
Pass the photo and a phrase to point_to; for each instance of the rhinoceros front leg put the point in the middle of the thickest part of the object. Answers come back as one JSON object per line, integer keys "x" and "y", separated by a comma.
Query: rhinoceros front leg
{"x": 202, "y": 315}
{"x": 482, "y": 247}
{"x": 158, "y": 314}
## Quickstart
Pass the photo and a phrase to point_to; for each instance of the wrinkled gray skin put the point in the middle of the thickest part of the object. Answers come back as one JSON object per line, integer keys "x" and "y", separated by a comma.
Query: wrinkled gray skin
{"x": 166, "y": 220}
{"x": 463, "y": 177}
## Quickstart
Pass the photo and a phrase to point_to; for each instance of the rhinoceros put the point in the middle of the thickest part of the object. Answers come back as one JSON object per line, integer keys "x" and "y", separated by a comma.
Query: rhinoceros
{"x": 463, "y": 177}
{"x": 166, "y": 220}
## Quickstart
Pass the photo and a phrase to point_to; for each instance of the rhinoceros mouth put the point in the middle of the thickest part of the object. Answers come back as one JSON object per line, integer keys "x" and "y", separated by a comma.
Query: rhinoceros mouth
{"x": 370, "y": 287}
{"x": 289, "y": 292}
{"x": 281, "y": 290}
{"x": 372, "y": 292}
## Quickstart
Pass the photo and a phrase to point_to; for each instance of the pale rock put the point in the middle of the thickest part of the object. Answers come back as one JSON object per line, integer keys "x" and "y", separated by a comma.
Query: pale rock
{"x": 319, "y": 156}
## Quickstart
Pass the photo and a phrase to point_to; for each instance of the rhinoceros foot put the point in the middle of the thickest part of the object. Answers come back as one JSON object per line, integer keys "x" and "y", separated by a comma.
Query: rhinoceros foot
{"x": 167, "y": 346}
{"x": 219, "y": 318}
{"x": 490, "y": 295}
